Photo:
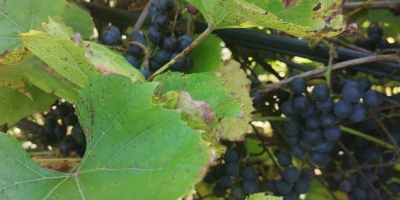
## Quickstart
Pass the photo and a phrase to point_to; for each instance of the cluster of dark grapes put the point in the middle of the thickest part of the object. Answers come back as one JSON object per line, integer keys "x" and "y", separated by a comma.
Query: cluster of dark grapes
{"x": 56, "y": 123}
{"x": 161, "y": 35}
{"x": 375, "y": 40}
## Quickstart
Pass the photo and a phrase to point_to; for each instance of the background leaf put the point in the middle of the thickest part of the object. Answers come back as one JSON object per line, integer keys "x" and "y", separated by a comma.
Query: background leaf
{"x": 206, "y": 55}
{"x": 130, "y": 140}
{"x": 21, "y": 16}
{"x": 312, "y": 18}
{"x": 262, "y": 196}
{"x": 78, "y": 19}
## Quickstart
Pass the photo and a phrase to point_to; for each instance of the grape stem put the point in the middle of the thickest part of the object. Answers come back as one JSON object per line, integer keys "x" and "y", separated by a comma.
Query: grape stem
{"x": 359, "y": 8}
{"x": 322, "y": 182}
{"x": 347, "y": 45}
{"x": 184, "y": 52}
{"x": 392, "y": 140}
{"x": 374, "y": 58}
{"x": 329, "y": 68}
{"x": 146, "y": 53}
{"x": 142, "y": 16}
{"x": 58, "y": 160}
{"x": 367, "y": 137}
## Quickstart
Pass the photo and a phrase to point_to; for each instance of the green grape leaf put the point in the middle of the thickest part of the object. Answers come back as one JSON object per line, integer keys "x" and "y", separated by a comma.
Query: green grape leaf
{"x": 206, "y": 55}
{"x": 12, "y": 77}
{"x": 64, "y": 54}
{"x": 21, "y": 16}
{"x": 135, "y": 149}
{"x": 78, "y": 19}
{"x": 14, "y": 57}
{"x": 197, "y": 114}
{"x": 109, "y": 62}
{"x": 236, "y": 81}
{"x": 14, "y": 105}
{"x": 311, "y": 18}
{"x": 262, "y": 196}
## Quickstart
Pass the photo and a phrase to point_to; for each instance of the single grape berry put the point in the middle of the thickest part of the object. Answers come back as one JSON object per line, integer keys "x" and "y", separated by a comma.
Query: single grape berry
{"x": 326, "y": 105}
{"x": 60, "y": 131}
{"x": 219, "y": 191}
{"x": 358, "y": 113}
{"x": 375, "y": 34}
{"x": 284, "y": 159}
{"x": 231, "y": 169}
{"x": 309, "y": 113}
{"x": 256, "y": 96}
{"x": 283, "y": 187}
{"x": 179, "y": 65}
{"x": 394, "y": 187}
{"x": 291, "y": 174}
{"x": 61, "y": 110}
{"x": 298, "y": 86}
{"x": 68, "y": 144}
{"x": 342, "y": 109}
{"x": 152, "y": 10}
{"x": 301, "y": 104}
{"x": 250, "y": 187}
{"x": 302, "y": 186}
{"x": 160, "y": 21}
{"x": 304, "y": 145}
{"x": 249, "y": 174}
{"x": 162, "y": 56}
{"x": 110, "y": 35}
{"x": 184, "y": 42}
{"x": 192, "y": 9}
{"x": 146, "y": 73}
{"x": 297, "y": 152}
{"x": 320, "y": 159}
{"x": 352, "y": 91}
{"x": 225, "y": 182}
{"x": 324, "y": 146}
{"x": 164, "y": 5}
{"x": 291, "y": 127}
{"x": 154, "y": 65}
{"x": 365, "y": 83}
{"x": 132, "y": 60}
{"x": 332, "y": 133}
{"x": 312, "y": 123}
{"x": 327, "y": 120}
{"x": 155, "y": 36}
{"x": 255, "y": 83}
{"x": 230, "y": 156}
{"x": 287, "y": 109}
{"x": 292, "y": 195}
{"x": 78, "y": 134}
{"x": 50, "y": 124}
{"x": 312, "y": 137}
{"x": 372, "y": 99}
{"x": 171, "y": 44}
{"x": 320, "y": 93}
{"x": 307, "y": 174}
{"x": 360, "y": 193}
{"x": 345, "y": 186}
{"x": 373, "y": 155}
{"x": 70, "y": 120}
{"x": 139, "y": 37}
{"x": 189, "y": 63}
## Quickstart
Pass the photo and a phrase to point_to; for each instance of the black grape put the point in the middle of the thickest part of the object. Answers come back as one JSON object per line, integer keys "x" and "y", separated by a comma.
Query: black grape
{"x": 365, "y": 83}
{"x": 192, "y": 9}
{"x": 255, "y": 83}
{"x": 152, "y": 10}
{"x": 307, "y": 174}
{"x": 250, "y": 187}
{"x": 155, "y": 36}
{"x": 304, "y": 145}
{"x": 160, "y": 21}
{"x": 320, "y": 159}
{"x": 179, "y": 65}
{"x": 249, "y": 174}
{"x": 189, "y": 63}
{"x": 327, "y": 120}
{"x": 298, "y": 86}
{"x": 358, "y": 113}
{"x": 372, "y": 99}
{"x": 301, "y": 104}
{"x": 60, "y": 131}
{"x": 256, "y": 96}
{"x": 137, "y": 36}
{"x": 342, "y": 109}
{"x": 360, "y": 193}
{"x": 394, "y": 187}
{"x": 68, "y": 144}
{"x": 219, "y": 191}
{"x": 162, "y": 56}
{"x": 293, "y": 140}
{"x": 164, "y": 5}
{"x": 171, "y": 44}
{"x": 291, "y": 127}
{"x": 110, "y": 35}
{"x": 345, "y": 186}
{"x": 320, "y": 93}
{"x": 324, "y": 146}
{"x": 231, "y": 169}
{"x": 78, "y": 134}
{"x": 287, "y": 109}
{"x": 383, "y": 174}
{"x": 352, "y": 91}
{"x": 154, "y": 65}
{"x": 293, "y": 73}
{"x": 132, "y": 60}
{"x": 70, "y": 120}
{"x": 312, "y": 123}
{"x": 292, "y": 195}
{"x": 375, "y": 34}
{"x": 146, "y": 73}
{"x": 81, "y": 151}
{"x": 283, "y": 187}
{"x": 326, "y": 105}
{"x": 291, "y": 174}
{"x": 312, "y": 137}
{"x": 297, "y": 152}
{"x": 383, "y": 44}
{"x": 373, "y": 155}
{"x": 332, "y": 133}
{"x": 365, "y": 44}
{"x": 361, "y": 142}
{"x": 62, "y": 110}
{"x": 184, "y": 42}
{"x": 284, "y": 159}
{"x": 230, "y": 156}
{"x": 302, "y": 186}
{"x": 225, "y": 182}
{"x": 50, "y": 124}
{"x": 309, "y": 113}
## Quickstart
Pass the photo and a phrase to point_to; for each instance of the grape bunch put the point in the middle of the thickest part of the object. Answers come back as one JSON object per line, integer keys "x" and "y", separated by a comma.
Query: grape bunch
{"x": 60, "y": 117}
{"x": 374, "y": 40}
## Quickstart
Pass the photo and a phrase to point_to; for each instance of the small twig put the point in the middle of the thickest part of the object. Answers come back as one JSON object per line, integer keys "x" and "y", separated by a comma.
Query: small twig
{"x": 266, "y": 149}
{"x": 146, "y": 53}
{"x": 347, "y": 45}
{"x": 184, "y": 52}
{"x": 359, "y": 169}
{"x": 386, "y": 107}
{"x": 392, "y": 140}
{"x": 359, "y": 8}
{"x": 367, "y": 137}
{"x": 375, "y": 58}
{"x": 322, "y": 182}
{"x": 329, "y": 69}
{"x": 373, "y": 5}
{"x": 142, "y": 16}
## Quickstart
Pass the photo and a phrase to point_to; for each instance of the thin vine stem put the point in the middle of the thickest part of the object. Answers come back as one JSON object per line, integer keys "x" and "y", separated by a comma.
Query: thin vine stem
{"x": 270, "y": 118}
{"x": 359, "y": 8}
{"x": 145, "y": 51}
{"x": 392, "y": 140}
{"x": 57, "y": 160}
{"x": 142, "y": 16}
{"x": 184, "y": 52}
{"x": 367, "y": 137}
